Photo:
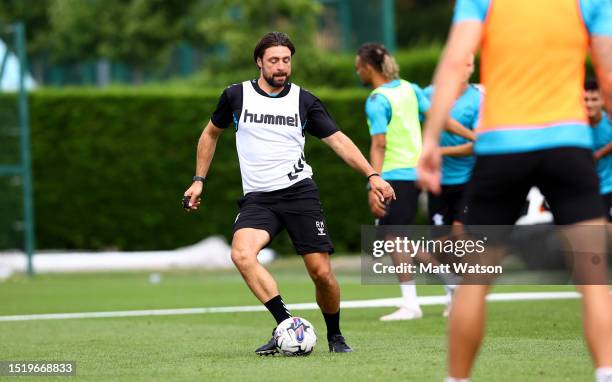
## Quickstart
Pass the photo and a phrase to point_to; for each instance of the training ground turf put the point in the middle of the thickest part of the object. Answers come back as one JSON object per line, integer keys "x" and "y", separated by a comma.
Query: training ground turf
{"x": 526, "y": 340}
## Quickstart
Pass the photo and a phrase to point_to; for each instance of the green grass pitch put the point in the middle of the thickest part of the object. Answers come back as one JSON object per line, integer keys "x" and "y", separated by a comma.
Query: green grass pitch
{"x": 526, "y": 340}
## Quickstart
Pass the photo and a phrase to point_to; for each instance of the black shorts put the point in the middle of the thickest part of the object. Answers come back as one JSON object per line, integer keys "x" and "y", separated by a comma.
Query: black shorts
{"x": 296, "y": 208}
{"x": 607, "y": 200}
{"x": 448, "y": 207}
{"x": 402, "y": 210}
{"x": 566, "y": 177}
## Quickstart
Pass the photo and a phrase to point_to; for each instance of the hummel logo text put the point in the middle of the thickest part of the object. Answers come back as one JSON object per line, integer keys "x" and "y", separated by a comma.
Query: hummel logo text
{"x": 270, "y": 119}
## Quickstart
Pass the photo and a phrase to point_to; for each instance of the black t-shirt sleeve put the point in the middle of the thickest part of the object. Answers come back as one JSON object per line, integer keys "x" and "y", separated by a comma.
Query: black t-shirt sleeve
{"x": 315, "y": 116}
{"x": 228, "y": 107}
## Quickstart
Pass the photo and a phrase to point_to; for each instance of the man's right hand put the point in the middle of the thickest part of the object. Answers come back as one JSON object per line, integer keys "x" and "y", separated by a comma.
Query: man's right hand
{"x": 194, "y": 193}
{"x": 377, "y": 207}
{"x": 428, "y": 168}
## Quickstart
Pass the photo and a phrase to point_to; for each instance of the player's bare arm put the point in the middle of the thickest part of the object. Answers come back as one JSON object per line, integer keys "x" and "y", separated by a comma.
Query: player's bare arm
{"x": 453, "y": 126}
{"x": 463, "y": 40}
{"x": 377, "y": 157}
{"x": 601, "y": 53}
{"x": 205, "y": 152}
{"x": 602, "y": 152}
{"x": 463, "y": 150}
{"x": 377, "y": 151}
{"x": 346, "y": 149}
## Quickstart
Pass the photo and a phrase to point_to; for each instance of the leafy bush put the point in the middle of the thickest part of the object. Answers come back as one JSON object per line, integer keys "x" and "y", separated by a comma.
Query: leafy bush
{"x": 318, "y": 69}
{"x": 110, "y": 169}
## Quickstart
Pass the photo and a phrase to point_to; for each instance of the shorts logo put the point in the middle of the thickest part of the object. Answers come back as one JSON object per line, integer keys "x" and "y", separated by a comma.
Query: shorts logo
{"x": 237, "y": 216}
{"x": 321, "y": 228}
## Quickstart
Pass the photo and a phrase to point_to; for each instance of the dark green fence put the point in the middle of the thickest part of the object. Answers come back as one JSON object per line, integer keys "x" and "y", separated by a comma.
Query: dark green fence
{"x": 16, "y": 207}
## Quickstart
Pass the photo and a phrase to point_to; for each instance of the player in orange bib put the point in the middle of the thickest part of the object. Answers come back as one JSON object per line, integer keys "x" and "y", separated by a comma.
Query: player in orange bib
{"x": 534, "y": 131}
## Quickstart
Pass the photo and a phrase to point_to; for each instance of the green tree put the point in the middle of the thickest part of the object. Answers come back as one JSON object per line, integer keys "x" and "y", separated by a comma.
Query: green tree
{"x": 140, "y": 33}
{"x": 229, "y": 30}
{"x": 143, "y": 33}
{"x": 75, "y": 27}
{"x": 422, "y": 21}
{"x": 236, "y": 25}
{"x": 34, "y": 14}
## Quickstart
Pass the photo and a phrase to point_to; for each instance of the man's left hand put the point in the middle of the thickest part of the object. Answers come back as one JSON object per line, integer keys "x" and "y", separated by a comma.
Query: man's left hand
{"x": 382, "y": 189}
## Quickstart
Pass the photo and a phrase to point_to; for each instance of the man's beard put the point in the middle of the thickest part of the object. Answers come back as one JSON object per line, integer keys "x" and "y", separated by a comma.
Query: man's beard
{"x": 273, "y": 82}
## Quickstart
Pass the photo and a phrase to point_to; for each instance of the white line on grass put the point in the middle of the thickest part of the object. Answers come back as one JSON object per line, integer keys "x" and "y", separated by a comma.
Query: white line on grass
{"x": 377, "y": 303}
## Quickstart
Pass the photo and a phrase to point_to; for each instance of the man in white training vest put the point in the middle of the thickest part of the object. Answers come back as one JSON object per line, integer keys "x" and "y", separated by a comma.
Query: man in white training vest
{"x": 271, "y": 116}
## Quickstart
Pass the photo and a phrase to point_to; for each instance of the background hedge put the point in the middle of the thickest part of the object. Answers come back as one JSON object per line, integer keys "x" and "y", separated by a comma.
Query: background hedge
{"x": 110, "y": 166}
{"x": 325, "y": 70}
{"x": 110, "y": 169}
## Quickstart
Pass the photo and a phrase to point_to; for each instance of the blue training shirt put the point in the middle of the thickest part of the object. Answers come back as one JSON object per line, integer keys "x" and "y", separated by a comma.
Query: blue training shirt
{"x": 602, "y": 135}
{"x": 466, "y": 111}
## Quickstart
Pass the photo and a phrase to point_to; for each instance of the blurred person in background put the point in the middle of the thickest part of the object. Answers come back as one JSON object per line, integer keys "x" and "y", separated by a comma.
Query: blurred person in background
{"x": 394, "y": 110}
{"x": 602, "y": 141}
{"x": 534, "y": 131}
{"x": 449, "y": 207}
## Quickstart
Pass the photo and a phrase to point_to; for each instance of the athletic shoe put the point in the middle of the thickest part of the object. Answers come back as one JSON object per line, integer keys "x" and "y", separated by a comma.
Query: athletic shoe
{"x": 337, "y": 344}
{"x": 268, "y": 348}
{"x": 404, "y": 313}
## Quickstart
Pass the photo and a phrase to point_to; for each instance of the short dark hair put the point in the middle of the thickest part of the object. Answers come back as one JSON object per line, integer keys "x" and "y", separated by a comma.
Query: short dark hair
{"x": 373, "y": 54}
{"x": 269, "y": 40}
{"x": 591, "y": 84}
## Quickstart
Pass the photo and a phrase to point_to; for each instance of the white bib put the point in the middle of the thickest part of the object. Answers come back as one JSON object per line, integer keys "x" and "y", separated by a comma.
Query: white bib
{"x": 270, "y": 141}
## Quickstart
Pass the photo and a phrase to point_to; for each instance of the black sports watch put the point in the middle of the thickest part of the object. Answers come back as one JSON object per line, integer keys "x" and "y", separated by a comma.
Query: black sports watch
{"x": 199, "y": 178}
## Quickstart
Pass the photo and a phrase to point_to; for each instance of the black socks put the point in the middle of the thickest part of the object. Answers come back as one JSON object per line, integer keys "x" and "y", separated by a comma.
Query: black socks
{"x": 333, "y": 324}
{"x": 277, "y": 307}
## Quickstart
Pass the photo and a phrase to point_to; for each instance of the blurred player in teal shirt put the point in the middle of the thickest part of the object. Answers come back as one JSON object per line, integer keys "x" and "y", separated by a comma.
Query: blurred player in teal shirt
{"x": 449, "y": 206}
{"x": 602, "y": 142}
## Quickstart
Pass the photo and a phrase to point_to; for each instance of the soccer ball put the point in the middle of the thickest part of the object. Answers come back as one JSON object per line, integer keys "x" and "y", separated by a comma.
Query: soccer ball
{"x": 295, "y": 336}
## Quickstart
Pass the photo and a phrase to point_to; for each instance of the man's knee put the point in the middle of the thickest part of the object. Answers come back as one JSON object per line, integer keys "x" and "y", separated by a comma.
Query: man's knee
{"x": 243, "y": 257}
{"x": 246, "y": 244}
{"x": 322, "y": 276}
